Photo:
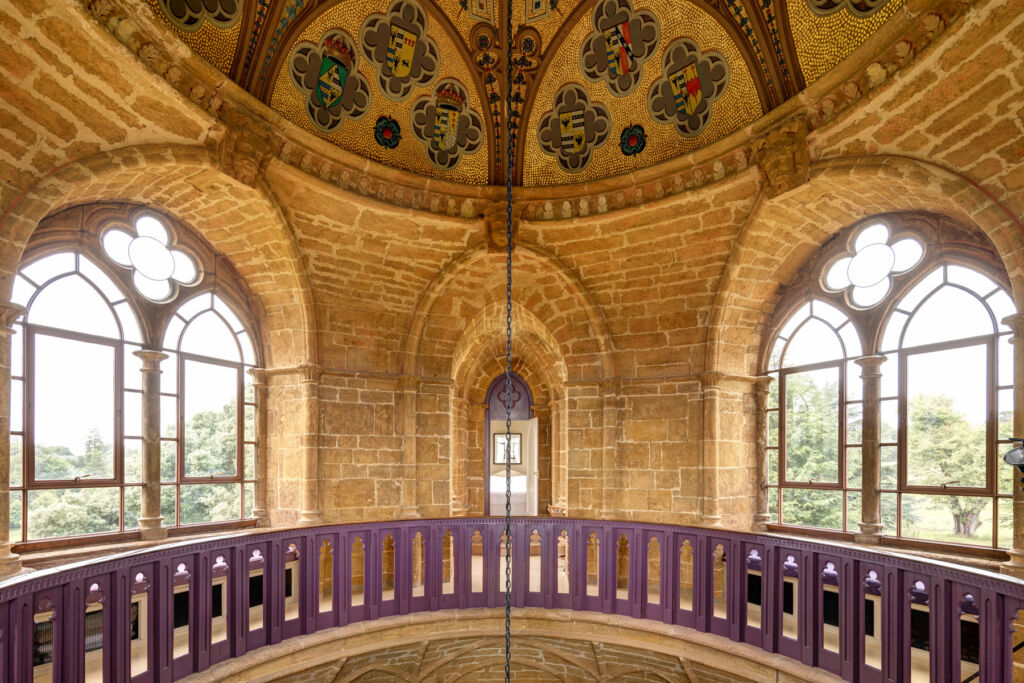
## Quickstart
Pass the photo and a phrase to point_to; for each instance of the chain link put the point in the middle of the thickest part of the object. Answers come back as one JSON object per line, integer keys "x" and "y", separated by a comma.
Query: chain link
{"x": 508, "y": 341}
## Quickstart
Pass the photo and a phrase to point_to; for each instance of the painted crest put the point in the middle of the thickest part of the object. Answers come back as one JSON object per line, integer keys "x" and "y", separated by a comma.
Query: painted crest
{"x": 573, "y": 131}
{"x": 447, "y": 125}
{"x": 573, "y": 128}
{"x": 401, "y": 49}
{"x": 619, "y": 49}
{"x": 622, "y": 40}
{"x": 327, "y": 76}
{"x": 693, "y": 80}
{"x": 686, "y": 89}
{"x": 335, "y": 66}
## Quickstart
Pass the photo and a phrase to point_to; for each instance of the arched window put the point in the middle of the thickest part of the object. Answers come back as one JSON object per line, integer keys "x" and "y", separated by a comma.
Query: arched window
{"x": 930, "y": 303}
{"x": 813, "y": 462}
{"x": 132, "y": 280}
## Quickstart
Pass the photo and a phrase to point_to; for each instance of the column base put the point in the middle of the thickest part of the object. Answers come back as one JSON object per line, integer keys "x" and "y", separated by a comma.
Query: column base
{"x": 713, "y": 521}
{"x": 761, "y": 521}
{"x": 557, "y": 511}
{"x": 310, "y": 518}
{"x": 262, "y": 517}
{"x": 1015, "y": 567}
{"x": 10, "y": 564}
{"x": 459, "y": 510}
{"x": 870, "y": 534}
{"x": 152, "y": 529}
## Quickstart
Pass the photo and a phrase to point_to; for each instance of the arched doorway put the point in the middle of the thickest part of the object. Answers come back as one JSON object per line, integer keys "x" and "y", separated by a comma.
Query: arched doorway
{"x": 524, "y": 452}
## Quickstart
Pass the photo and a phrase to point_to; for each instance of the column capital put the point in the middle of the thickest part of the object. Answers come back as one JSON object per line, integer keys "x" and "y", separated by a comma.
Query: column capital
{"x": 1016, "y": 324}
{"x": 260, "y": 377}
{"x": 871, "y": 365}
{"x": 9, "y": 312}
{"x": 763, "y": 384}
{"x": 151, "y": 359}
{"x": 310, "y": 373}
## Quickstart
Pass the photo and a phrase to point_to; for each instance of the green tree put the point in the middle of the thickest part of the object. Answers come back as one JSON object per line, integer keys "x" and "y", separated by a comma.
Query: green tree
{"x": 943, "y": 447}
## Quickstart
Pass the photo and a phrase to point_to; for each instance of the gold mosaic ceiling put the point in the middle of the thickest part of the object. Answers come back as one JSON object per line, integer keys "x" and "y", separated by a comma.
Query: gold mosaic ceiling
{"x": 601, "y": 87}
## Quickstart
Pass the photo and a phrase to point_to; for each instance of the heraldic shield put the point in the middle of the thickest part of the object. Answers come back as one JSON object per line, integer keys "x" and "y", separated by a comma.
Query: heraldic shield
{"x": 401, "y": 47}
{"x": 686, "y": 89}
{"x": 572, "y": 129}
{"x": 334, "y": 70}
{"x": 446, "y": 128}
{"x": 619, "y": 48}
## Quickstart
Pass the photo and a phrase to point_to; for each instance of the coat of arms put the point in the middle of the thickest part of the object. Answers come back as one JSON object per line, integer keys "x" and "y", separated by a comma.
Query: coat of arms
{"x": 335, "y": 67}
{"x": 446, "y": 119}
{"x": 401, "y": 48}
{"x": 571, "y": 124}
{"x": 619, "y": 47}
{"x": 686, "y": 89}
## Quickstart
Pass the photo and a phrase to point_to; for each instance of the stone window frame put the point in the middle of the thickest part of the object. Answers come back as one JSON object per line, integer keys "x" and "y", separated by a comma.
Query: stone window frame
{"x": 79, "y": 230}
{"x": 946, "y": 242}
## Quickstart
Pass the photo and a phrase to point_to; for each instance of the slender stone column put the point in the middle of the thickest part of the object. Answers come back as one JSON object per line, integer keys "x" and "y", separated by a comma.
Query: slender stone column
{"x": 151, "y": 521}
{"x": 871, "y": 452}
{"x": 261, "y": 389}
{"x": 1015, "y": 566}
{"x": 710, "y": 505}
{"x": 558, "y": 505}
{"x": 406, "y": 415}
{"x": 762, "y": 516}
{"x": 311, "y": 514}
{"x": 458, "y": 488}
{"x": 9, "y": 562}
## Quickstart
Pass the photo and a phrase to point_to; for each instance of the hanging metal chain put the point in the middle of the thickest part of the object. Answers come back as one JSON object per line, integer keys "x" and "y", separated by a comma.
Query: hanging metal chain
{"x": 508, "y": 342}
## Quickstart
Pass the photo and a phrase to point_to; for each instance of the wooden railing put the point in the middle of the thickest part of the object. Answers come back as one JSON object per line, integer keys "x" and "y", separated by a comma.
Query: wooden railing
{"x": 165, "y": 613}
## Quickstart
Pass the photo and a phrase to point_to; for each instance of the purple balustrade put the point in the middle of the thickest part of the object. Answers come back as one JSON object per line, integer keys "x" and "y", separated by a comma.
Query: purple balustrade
{"x": 161, "y": 614}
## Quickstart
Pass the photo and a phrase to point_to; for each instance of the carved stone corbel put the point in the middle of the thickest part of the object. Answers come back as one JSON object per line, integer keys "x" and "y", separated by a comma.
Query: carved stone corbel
{"x": 783, "y": 158}
{"x": 495, "y": 223}
{"x": 246, "y": 149}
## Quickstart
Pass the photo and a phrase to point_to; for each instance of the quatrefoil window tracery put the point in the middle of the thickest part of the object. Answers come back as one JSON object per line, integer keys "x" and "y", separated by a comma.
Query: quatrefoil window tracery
{"x": 157, "y": 267}
{"x": 866, "y": 275}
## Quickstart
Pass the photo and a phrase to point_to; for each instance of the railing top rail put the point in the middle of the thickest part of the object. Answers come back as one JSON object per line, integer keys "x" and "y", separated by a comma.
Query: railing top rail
{"x": 53, "y": 576}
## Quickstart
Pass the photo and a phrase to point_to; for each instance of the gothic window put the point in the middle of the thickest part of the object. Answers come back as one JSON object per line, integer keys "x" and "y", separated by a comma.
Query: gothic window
{"x": 931, "y": 303}
{"x": 122, "y": 285}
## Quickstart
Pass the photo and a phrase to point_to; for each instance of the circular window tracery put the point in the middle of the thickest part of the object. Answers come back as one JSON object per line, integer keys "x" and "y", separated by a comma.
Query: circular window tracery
{"x": 158, "y": 268}
{"x": 866, "y": 275}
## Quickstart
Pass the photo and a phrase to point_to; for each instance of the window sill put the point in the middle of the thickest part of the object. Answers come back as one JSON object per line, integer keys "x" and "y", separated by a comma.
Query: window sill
{"x": 971, "y": 556}
{"x": 57, "y": 552}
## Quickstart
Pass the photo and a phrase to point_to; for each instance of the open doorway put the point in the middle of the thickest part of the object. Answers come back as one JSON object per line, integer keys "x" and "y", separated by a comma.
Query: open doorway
{"x": 523, "y": 451}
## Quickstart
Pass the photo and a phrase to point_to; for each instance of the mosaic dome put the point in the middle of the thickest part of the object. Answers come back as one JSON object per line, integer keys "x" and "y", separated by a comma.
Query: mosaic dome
{"x": 600, "y": 87}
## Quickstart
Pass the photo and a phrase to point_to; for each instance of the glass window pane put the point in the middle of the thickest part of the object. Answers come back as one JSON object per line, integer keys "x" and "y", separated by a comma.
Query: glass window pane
{"x": 169, "y": 374}
{"x": 812, "y": 426}
{"x": 71, "y": 303}
{"x": 854, "y": 465}
{"x": 210, "y": 502}
{"x": 1005, "y": 414}
{"x": 211, "y": 420}
{"x": 18, "y": 351}
{"x": 890, "y": 416}
{"x": 249, "y": 422}
{"x": 172, "y": 335}
{"x": 129, "y": 325}
{"x": 54, "y": 513}
{"x": 17, "y": 405}
{"x": 851, "y": 340}
{"x": 829, "y": 313}
{"x": 887, "y": 456}
{"x": 16, "y": 463}
{"x": 794, "y": 320}
{"x": 249, "y": 452}
{"x": 16, "y": 517}
{"x": 74, "y": 409}
{"x": 229, "y": 316}
{"x": 950, "y": 519}
{"x": 23, "y": 291}
{"x": 773, "y": 465}
{"x": 889, "y": 513}
{"x": 811, "y": 507}
{"x": 814, "y": 342}
{"x": 773, "y": 390}
{"x": 854, "y": 384}
{"x": 133, "y": 461}
{"x": 168, "y": 416}
{"x": 248, "y": 354}
{"x": 1005, "y": 350}
{"x": 43, "y": 270}
{"x": 916, "y": 295}
{"x": 132, "y": 368}
{"x": 1005, "y": 522}
{"x": 971, "y": 279}
{"x": 890, "y": 376}
{"x": 250, "y": 499}
{"x": 168, "y": 505}
{"x": 207, "y": 335}
{"x": 1002, "y": 307}
{"x": 931, "y": 323}
{"x": 168, "y": 460}
{"x": 854, "y": 423}
{"x": 132, "y": 413}
{"x": 132, "y": 506}
{"x": 946, "y": 413}
{"x": 773, "y": 428}
{"x": 1006, "y": 475}
{"x": 853, "y": 502}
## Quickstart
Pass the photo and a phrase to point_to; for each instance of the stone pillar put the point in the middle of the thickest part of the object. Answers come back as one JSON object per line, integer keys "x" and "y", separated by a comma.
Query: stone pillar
{"x": 406, "y": 415}
{"x": 762, "y": 515}
{"x": 871, "y": 453}
{"x": 458, "y": 488}
{"x": 1015, "y": 566}
{"x": 9, "y": 562}
{"x": 261, "y": 389}
{"x": 557, "y": 508}
{"x": 151, "y": 521}
{"x": 610, "y": 437}
{"x": 711, "y": 391}
{"x": 311, "y": 513}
